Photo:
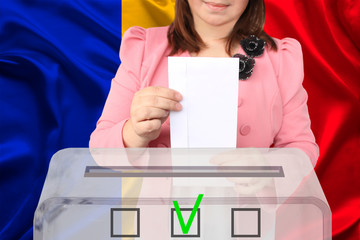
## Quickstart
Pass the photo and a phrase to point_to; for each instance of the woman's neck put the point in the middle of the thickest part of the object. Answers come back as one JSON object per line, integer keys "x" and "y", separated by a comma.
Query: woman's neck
{"x": 215, "y": 39}
{"x": 212, "y": 33}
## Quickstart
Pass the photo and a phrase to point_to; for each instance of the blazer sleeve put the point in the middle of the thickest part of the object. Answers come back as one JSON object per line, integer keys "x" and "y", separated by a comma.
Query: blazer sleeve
{"x": 295, "y": 131}
{"x": 108, "y": 132}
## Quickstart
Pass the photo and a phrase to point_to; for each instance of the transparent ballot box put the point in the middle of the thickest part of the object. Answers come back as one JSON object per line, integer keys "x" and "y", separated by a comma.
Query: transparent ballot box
{"x": 158, "y": 193}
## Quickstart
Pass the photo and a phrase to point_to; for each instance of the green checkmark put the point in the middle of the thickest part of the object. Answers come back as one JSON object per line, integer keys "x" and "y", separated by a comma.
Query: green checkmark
{"x": 185, "y": 228}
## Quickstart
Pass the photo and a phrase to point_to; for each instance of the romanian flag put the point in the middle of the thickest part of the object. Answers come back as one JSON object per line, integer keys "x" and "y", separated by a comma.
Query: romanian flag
{"x": 147, "y": 13}
{"x": 57, "y": 59}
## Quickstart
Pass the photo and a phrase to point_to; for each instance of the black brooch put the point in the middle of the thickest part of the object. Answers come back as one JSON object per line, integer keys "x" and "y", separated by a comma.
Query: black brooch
{"x": 253, "y": 47}
{"x": 246, "y": 66}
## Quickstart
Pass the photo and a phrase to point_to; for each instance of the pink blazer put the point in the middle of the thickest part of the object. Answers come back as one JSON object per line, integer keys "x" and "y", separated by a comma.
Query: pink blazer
{"x": 272, "y": 110}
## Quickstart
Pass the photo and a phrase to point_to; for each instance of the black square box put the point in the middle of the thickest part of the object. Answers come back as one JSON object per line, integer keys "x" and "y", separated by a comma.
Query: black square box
{"x": 185, "y": 235}
{"x": 257, "y": 211}
{"x": 113, "y": 210}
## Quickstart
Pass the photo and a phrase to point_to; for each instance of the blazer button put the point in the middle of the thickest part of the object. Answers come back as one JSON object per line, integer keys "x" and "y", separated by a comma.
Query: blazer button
{"x": 245, "y": 130}
{"x": 240, "y": 102}
{"x": 161, "y": 145}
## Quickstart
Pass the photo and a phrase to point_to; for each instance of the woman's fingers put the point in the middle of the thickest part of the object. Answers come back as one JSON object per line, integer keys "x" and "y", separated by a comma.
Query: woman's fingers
{"x": 149, "y": 113}
{"x": 161, "y": 92}
{"x": 148, "y": 127}
{"x": 154, "y": 101}
{"x": 252, "y": 187}
{"x": 150, "y": 108}
{"x": 158, "y": 97}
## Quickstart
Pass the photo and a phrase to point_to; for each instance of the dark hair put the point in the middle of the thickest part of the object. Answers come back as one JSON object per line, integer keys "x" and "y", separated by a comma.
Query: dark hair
{"x": 182, "y": 35}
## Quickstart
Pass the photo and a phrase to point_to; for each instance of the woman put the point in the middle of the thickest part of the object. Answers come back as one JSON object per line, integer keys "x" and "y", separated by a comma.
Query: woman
{"x": 272, "y": 102}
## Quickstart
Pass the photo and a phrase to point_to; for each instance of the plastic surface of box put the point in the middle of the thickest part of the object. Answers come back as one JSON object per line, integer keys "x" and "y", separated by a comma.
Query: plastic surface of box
{"x": 130, "y": 194}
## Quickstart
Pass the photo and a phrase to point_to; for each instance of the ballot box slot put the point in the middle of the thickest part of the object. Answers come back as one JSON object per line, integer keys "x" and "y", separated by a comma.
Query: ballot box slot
{"x": 184, "y": 171}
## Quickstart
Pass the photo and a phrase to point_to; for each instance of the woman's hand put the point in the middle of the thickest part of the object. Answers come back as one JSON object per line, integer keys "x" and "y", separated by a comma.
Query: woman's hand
{"x": 150, "y": 108}
{"x": 245, "y": 157}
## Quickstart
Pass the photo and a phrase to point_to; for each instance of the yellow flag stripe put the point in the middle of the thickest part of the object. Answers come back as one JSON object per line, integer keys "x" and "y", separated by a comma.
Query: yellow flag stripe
{"x": 143, "y": 13}
{"x": 146, "y": 13}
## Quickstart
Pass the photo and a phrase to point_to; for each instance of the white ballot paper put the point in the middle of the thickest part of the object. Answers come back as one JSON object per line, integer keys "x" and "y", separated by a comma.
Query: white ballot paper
{"x": 209, "y": 87}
